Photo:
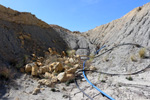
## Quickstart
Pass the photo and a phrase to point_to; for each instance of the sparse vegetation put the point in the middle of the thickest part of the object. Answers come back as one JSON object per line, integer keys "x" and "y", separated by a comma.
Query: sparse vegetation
{"x": 129, "y": 78}
{"x": 142, "y": 52}
{"x": 6, "y": 73}
{"x": 103, "y": 81}
{"x": 133, "y": 58}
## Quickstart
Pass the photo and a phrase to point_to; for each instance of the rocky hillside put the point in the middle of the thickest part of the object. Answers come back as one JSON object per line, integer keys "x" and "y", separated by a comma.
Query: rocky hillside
{"x": 134, "y": 24}
{"x": 121, "y": 67}
{"x": 127, "y": 42}
{"x": 75, "y": 40}
{"x": 22, "y": 34}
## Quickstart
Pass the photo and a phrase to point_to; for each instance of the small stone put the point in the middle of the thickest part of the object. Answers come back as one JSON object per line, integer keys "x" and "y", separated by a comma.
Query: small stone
{"x": 70, "y": 76}
{"x": 45, "y": 82}
{"x": 28, "y": 68}
{"x": 66, "y": 67}
{"x": 36, "y": 91}
{"x": 39, "y": 63}
{"x": 48, "y": 75}
{"x": 76, "y": 66}
{"x": 62, "y": 77}
{"x": 66, "y": 62}
{"x": 57, "y": 66}
{"x": 71, "y": 60}
{"x": 54, "y": 79}
{"x": 71, "y": 70}
{"x": 92, "y": 68}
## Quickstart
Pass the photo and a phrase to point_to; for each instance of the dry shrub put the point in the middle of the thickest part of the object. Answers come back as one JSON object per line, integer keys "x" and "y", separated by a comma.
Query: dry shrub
{"x": 6, "y": 73}
{"x": 142, "y": 52}
{"x": 133, "y": 58}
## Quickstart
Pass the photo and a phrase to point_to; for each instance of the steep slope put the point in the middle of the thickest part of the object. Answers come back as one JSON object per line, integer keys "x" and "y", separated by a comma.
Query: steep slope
{"x": 22, "y": 34}
{"x": 133, "y": 27}
{"x": 127, "y": 49}
{"x": 75, "y": 40}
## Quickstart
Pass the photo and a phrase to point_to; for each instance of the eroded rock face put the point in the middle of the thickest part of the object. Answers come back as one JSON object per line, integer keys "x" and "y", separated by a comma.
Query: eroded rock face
{"x": 23, "y": 34}
{"x": 134, "y": 28}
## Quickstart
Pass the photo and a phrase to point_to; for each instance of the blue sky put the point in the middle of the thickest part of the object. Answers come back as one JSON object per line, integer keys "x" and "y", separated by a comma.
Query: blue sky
{"x": 75, "y": 15}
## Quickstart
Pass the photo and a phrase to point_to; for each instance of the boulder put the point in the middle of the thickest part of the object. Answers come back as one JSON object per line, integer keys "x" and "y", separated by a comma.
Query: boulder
{"x": 73, "y": 44}
{"x": 28, "y": 67}
{"x": 48, "y": 75}
{"x": 83, "y": 44}
{"x": 57, "y": 67}
{"x": 34, "y": 70}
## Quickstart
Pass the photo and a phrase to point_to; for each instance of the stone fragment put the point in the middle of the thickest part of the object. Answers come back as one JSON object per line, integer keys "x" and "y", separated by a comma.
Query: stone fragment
{"x": 28, "y": 67}
{"x": 66, "y": 62}
{"x": 48, "y": 75}
{"x": 62, "y": 77}
{"x": 45, "y": 82}
{"x": 36, "y": 91}
{"x": 34, "y": 70}
{"x": 71, "y": 70}
{"x": 66, "y": 67}
{"x": 43, "y": 69}
{"x": 57, "y": 66}
{"x": 70, "y": 76}
{"x": 71, "y": 60}
{"x": 54, "y": 79}
{"x": 92, "y": 68}
{"x": 76, "y": 66}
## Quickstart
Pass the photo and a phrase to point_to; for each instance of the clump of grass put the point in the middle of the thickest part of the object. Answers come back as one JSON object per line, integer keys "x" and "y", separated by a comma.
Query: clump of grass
{"x": 91, "y": 57}
{"x": 133, "y": 58}
{"x": 129, "y": 78}
{"x": 103, "y": 81}
{"x": 142, "y": 52}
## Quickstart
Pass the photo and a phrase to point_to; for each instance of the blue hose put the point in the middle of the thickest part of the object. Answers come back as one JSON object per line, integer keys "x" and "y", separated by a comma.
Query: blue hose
{"x": 93, "y": 84}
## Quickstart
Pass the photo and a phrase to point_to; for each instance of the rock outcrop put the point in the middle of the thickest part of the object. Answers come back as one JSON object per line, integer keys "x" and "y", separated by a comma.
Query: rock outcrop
{"x": 76, "y": 41}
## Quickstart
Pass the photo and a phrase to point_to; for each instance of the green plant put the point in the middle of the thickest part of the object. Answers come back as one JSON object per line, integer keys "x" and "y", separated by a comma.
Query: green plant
{"x": 91, "y": 57}
{"x": 142, "y": 52}
{"x": 53, "y": 89}
{"x": 129, "y": 78}
{"x": 103, "y": 81}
